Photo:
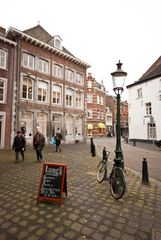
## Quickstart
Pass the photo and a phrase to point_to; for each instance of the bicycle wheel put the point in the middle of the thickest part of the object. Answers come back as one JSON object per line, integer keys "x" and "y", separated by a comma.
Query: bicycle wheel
{"x": 117, "y": 183}
{"x": 101, "y": 171}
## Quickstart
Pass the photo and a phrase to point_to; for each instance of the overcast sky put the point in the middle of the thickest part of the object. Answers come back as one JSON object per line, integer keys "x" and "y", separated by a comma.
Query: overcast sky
{"x": 99, "y": 32}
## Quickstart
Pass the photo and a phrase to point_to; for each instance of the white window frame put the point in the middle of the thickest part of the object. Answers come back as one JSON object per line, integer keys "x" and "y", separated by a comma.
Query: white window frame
{"x": 98, "y": 114}
{"x": 78, "y": 78}
{"x": 57, "y": 70}
{"x": 101, "y": 100}
{"x": 69, "y": 121}
{"x": 58, "y": 94}
{"x": 89, "y": 98}
{"x": 57, "y": 42}
{"x": 3, "y": 90}
{"x": 69, "y": 97}
{"x": 89, "y": 84}
{"x": 28, "y": 60}
{"x": 102, "y": 115}
{"x": 151, "y": 131}
{"x": 139, "y": 93}
{"x": 69, "y": 75}
{"x": 148, "y": 108}
{"x": 3, "y": 59}
{"x": 29, "y": 88}
{"x": 78, "y": 99}
{"x": 43, "y": 65}
{"x": 57, "y": 119}
{"x": 42, "y": 91}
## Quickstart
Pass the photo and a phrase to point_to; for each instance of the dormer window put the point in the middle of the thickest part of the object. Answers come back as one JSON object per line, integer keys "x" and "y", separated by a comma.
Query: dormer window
{"x": 58, "y": 42}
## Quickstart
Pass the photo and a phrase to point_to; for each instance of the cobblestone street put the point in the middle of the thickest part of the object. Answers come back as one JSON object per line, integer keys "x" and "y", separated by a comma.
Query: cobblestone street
{"x": 88, "y": 212}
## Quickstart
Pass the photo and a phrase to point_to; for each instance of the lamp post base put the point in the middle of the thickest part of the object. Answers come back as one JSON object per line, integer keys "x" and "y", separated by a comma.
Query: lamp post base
{"x": 119, "y": 160}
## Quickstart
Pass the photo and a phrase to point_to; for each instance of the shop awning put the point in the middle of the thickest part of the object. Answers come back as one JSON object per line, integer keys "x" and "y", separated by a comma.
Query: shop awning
{"x": 90, "y": 126}
{"x": 101, "y": 125}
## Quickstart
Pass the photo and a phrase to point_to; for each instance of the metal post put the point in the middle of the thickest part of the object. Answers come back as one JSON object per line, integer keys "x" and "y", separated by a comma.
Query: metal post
{"x": 119, "y": 155}
{"x": 145, "y": 177}
{"x": 104, "y": 154}
{"x": 93, "y": 149}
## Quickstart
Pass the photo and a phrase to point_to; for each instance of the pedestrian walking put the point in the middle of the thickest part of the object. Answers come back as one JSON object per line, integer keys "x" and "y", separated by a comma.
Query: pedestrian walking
{"x": 58, "y": 138}
{"x": 38, "y": 144}
{"x": 19, "y": 146}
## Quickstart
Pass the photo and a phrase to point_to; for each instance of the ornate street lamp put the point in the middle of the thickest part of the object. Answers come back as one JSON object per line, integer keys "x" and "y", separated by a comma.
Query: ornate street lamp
{"x": 118, "y": 78}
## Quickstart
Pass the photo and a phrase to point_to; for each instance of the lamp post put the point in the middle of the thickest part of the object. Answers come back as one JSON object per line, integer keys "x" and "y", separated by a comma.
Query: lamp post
{"x": 118, "y": 78}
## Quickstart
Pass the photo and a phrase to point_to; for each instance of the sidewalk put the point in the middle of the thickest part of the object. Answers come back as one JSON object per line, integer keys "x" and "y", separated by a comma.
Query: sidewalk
{"x": 88, "y": 212}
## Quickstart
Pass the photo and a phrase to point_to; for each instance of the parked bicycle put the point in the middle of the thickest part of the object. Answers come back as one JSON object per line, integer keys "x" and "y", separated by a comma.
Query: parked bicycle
{"x": 116, "y": 178}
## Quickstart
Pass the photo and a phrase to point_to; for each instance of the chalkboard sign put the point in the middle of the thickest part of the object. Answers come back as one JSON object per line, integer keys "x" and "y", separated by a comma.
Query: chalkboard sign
{"x": 53, "y": 182}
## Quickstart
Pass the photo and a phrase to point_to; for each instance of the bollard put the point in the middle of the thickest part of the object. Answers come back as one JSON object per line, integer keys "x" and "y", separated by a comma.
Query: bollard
{"x": 104, "y": 154}
{"x": 91, "y": 143}
{"x": 93, "y": 149}
{"x": 134, "y": 143}
{"x": 145, "y": 178}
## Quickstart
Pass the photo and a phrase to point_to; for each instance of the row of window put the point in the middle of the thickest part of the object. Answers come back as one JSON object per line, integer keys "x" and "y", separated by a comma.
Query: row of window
{"x": 71, "y": 126}
{"x": 90, "y": 99}
{"x": 43, "y": 65}
{"x": 73, "y": 98}
{"x": 100, "y": 114}
{"x": 40, "y": 90}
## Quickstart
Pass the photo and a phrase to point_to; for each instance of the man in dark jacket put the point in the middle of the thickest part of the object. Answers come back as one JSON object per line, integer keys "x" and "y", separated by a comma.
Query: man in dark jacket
{"x": 19, "y": 146}
{"x": 38, "y": 143}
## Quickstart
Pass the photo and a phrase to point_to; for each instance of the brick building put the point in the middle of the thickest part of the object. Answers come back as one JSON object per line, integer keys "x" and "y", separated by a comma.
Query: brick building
{"x": 112, "y": 103}
{"x": 49, "y": 85}
{"x": 124, "y": 118}
{"x": 7, "y": 48}
{"x": 96, "y": 107}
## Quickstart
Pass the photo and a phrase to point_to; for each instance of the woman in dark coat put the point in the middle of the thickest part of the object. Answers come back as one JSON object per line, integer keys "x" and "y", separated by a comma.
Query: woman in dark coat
{"x": 19, "y": 146}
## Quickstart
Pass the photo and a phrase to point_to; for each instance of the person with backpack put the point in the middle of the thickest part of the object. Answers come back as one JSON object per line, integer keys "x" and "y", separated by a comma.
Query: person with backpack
{"x": 58, "y": 138}
{"x": 19, "y": 146}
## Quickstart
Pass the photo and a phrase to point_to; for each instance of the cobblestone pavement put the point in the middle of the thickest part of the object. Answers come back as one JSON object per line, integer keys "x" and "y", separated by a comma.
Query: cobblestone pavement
{"x": 88, "y": 212}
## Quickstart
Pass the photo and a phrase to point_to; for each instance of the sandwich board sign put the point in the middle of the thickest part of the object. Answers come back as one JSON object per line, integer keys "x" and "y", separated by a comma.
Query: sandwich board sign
{"x": 53, "y": 182}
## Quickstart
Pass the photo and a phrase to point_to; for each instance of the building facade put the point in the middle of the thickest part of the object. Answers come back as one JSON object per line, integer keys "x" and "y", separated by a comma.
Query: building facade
{"x": 96, "y": 107}
{"x": 112, "y": 103}
{"x": 145, "y": 106}
{"x": 49, "y": 86}
{"x": 7, "y": 53}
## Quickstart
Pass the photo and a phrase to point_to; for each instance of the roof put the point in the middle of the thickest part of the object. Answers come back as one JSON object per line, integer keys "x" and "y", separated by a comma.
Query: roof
{"x": 153, "y": 72}
{"x": 39, "y": 33}
{"x": 40, "y": 37}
